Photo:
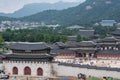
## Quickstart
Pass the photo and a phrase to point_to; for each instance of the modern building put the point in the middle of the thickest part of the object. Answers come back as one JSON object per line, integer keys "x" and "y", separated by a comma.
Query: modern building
{"x": 108, "y": 23}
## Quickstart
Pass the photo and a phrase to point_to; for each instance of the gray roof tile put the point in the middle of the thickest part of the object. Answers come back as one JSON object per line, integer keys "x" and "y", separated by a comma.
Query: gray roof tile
{"x": 28, "y": 46}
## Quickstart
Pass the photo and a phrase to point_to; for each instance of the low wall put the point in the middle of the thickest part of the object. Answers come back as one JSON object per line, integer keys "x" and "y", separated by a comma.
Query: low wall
{"x": 68, "y": 70}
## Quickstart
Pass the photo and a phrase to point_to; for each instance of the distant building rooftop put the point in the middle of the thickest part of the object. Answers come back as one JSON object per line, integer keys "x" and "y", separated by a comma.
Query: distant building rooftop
{"x": 28, "y": 46}
{"x": 72, "y": 38}
{"x": 109, "y": 39}
{"x": 86, "y": 33}
{"x": 116, "y": 32}
{"x": 108, "y": 22}
{"x": 75, "y": 27}
{"x": 87, "y": 44}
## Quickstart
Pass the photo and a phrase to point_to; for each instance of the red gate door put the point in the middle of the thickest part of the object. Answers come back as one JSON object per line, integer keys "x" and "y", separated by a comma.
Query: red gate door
{"x": 15, "y": 70}
{"x": 40, "y": 72}
{"x": 27, "y": 71}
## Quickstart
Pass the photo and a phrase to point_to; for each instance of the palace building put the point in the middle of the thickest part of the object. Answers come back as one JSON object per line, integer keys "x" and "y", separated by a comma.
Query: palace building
{"x": 28, "y": 59}
{"x": 107, "y": 48}
{"x": 36, "y": 59}
{"x": 116, "y": 33}
{"x": 65, "y": 55}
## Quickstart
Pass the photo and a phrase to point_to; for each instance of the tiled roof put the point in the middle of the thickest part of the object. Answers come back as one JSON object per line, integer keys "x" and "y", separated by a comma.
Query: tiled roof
{"x": 107, "y": 45}
{"x": 57, "y": 45}
{"x": 87, "y": 33}
{"x": 116, "y": 32}
{"x": 110, "y": 39}
{"x": 87, "y": 43}
{"x": 63, "y": 51}
{"x": 86, "y": 51}
{"x": 28, "y": 46}
{"x": 2, "y": 55}
{"x": 29, "y": 57}
{"x": 72, "y": 38}
{"x": 97, "y": 40}
{"x": 60, "y": 44}
{"x": 54, "y": 47}
{"x": 107, "y": 39}
{"x": 72, "y": 45}
{"x": 108, "y": 52}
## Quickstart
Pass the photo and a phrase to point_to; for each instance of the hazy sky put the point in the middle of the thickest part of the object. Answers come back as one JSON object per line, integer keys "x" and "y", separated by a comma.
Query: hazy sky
{"x": 9, "y": 6}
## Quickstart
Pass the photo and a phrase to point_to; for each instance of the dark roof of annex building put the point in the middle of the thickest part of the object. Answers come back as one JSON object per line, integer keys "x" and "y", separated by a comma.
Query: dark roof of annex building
{"x": 60, "y": 44}
{"x": 87, "y": 33}
{"x": 86, "y": 51}
{"x": 54, "y": 47}
{"x": 63, "y": 51}
{"x": 108, "y": 52}
{"x": 109, "y": 39}
{"x": 107, "y": 45}
{"x": 87, "y": 44}
{"x": 2, "y": 55}
{"x": 72, "y": 45}
{"x": 97, "y": 40}
{"x": 57, "y": 45}
{"x": 28, "y": 46}
{"x": 116, "y": 32}
{"x": 72, "y": 38}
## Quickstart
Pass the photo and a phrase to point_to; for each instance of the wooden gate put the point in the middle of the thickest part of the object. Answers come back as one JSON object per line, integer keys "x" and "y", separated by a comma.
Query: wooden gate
{"x": 27, "y": 71}
{"x": 15, "y": 70}
{"x": 40, "y": 72}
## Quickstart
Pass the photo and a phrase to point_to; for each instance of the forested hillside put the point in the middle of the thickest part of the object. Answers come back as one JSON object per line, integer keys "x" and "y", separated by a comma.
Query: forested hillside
{"x": 34, "y": 8}
{"x": 86, "y": 13}
{"x": 3, "y": 18}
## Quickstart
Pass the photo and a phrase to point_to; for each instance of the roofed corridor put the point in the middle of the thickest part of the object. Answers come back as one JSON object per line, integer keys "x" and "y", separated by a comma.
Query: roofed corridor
{"x": 101, "y": 63}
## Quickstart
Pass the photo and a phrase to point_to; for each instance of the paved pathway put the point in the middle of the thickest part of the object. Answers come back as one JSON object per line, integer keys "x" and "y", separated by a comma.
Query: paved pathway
{"x": 25, "y": 78}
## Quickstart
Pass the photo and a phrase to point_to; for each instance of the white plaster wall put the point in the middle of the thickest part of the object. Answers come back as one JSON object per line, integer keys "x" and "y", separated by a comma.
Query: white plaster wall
{"x": 1, "y": 66}
{"x": 34, "y": 66}
{"x": 60, "y": 70}
{"x": 73, "y": 71}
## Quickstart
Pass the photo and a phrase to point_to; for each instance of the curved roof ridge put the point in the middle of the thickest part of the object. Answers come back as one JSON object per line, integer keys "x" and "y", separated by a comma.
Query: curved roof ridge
{"x": 87, "y": 43}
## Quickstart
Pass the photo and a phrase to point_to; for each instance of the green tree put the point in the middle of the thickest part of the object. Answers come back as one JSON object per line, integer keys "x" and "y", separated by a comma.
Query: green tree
{"x": 79, "y": 38}
{"x": 1, "y": 41}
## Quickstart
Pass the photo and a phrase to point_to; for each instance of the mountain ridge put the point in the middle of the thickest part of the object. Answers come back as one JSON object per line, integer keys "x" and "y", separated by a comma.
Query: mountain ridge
{"x": 87, "y": 13}
{"x": 34, "y": 8}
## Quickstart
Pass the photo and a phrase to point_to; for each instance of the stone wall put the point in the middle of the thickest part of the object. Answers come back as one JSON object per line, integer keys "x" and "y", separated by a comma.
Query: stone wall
{"x": 33, "y": 65}
{"x": 63, "y": 70}
{"x": 59, "y": 70}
